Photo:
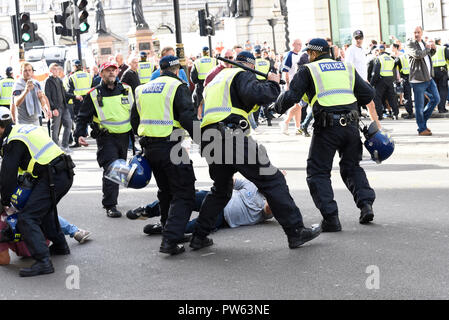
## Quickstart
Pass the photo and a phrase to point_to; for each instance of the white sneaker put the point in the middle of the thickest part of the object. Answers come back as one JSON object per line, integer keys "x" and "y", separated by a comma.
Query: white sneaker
{"x": 284, "y": 127}
{"x": 81, "y": 236}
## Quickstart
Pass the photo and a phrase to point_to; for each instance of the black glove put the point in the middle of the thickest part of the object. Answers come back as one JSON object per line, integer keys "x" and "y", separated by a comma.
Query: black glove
{"x": 278, "y": 106}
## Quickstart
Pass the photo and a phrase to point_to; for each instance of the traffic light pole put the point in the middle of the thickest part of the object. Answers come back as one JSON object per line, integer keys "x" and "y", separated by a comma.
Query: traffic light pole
{"x": 76, "y": 29}
{"x": 210, "y": 37}
{"x": 179, "y": 45}
{"x": 19, "y": 38}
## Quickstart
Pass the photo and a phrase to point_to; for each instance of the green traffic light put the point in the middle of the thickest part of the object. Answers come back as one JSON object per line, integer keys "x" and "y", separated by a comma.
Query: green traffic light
{"x": 84, "y": 27}
{"x": 26, "y": 37}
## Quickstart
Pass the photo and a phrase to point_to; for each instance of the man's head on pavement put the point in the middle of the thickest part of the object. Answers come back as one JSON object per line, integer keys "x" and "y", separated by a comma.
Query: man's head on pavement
{"x": 170, "y": 64}
{"x": 418, "y": 33}
{"x": 227, "y": 54}
{"x": 108, "y": 73}
{"x": 246, "y": 58}
{"x": 27, "y": 71}
{"x": 297, "y": 45}
{"x": 316, "y": 48}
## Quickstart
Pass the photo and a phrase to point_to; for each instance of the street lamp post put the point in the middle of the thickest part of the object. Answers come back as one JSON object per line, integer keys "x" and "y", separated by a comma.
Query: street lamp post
{"x": 178, "y": 32}
{"x": 272, "y": 22}
{"x": 51, "y": 14}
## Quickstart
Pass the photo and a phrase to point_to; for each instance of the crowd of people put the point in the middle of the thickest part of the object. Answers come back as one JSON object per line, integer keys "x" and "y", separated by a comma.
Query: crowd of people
{"x": 151, "y": 98}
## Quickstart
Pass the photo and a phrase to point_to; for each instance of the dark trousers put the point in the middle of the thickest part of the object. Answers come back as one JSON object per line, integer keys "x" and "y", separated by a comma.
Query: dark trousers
{"x": 268, "y": 179}
{"x": 176, "y": 183}
{"x": 197, "y": 95}
{"x": 408, "y": 96}
{"x": 325, "y": 143}
{"x": 37, "y": 220}
{"x": 385, "y": 91}
{"x": 110, "y": 148}
{"x": 441, "y": 78}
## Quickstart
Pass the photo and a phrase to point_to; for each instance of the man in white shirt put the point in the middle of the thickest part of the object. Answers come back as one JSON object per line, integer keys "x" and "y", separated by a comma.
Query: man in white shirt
{"x": 356, "y": 55}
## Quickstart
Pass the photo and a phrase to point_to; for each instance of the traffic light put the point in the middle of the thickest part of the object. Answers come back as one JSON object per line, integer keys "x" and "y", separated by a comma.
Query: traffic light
{"x": 64, "y": 19}
{"x": 82, "y": 16}
{"x": 27, "y": 28}
{"x": 206, "y": 24}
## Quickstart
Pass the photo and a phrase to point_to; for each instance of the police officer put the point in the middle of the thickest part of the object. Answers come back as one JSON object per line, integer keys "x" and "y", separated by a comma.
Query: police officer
{"x": 28, "y": 148}
{"x": 402, "y": 64}
{"x": 229, "y": 98}
{"x": 162, "y": 109}
{"x": 382, "y": 80}
{"x": 439, "y": 62}
{"x": 109, "y": 106}
{"x": 145, "y": 68}
{"x": 80, "y": 83}
{"x": 200, "y": 69}
{"x": 334, "y": 89}
{"x": 6, "y": 86}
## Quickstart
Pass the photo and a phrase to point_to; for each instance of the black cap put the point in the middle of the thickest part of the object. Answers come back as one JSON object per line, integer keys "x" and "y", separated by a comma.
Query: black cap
{"x": 169, "y": 61}
{"x": 8, "y": 71}
{"x": 358, "y": 34}
{"x": 246, "y": 56}
{"x": 318, "y": 44}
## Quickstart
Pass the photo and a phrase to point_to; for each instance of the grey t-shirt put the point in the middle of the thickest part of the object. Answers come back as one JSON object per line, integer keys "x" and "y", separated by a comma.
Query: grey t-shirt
{"x": 246, "y": 205}
{"x": 23, "y": 117}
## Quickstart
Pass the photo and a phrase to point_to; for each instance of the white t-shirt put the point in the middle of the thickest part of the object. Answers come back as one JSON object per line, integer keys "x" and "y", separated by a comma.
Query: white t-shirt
{"x": 290, "y": 64}
{"x": 357, "y": 57}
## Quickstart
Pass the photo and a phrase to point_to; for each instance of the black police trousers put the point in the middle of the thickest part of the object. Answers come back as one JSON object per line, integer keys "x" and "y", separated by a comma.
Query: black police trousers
{"x": 251, "y": 160}
{"x": 441, "y": 78}
{"x": 408, "y": 96}
{"x": 385, "y": 91}
{"x": 111, "y": 147}
{"x": 176, "y": 183}
{"x": 36, "y": 221}
{"x": 325, "y": 143}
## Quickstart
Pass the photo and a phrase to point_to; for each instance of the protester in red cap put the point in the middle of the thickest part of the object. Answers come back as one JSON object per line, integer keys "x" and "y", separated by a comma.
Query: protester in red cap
{"x": 107, "y": 107}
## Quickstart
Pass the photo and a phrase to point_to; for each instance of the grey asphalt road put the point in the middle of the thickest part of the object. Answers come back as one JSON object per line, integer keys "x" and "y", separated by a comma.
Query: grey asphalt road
{"x": 402, "y": 255}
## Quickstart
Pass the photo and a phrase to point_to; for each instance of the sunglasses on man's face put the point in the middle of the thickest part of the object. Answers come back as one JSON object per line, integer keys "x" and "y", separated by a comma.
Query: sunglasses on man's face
{"x": 229, "y": 58}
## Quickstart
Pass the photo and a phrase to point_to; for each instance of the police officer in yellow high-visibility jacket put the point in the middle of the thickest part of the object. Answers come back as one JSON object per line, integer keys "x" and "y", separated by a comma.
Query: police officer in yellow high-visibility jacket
{"x": 108, "y": 108}
{"x": 6, "y": 86}
{"x": 228, "y": 99}
{"x": 80, "y": 83}
{"x": 439, "y": 62}
{"x": 334, "y": 90}
{"x": 28, "y": 148}
{"x": 163, "y": 108}
{"x": 383, "y": 81}
{"x": 403, "y": 65}
{"x": 201, "y": 68}
{"x": 145, "y": 68}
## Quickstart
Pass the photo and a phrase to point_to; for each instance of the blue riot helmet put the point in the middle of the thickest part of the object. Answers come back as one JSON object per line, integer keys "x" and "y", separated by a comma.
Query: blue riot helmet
{"x": 136, "y": 174}
{"x": 379, "y": 144}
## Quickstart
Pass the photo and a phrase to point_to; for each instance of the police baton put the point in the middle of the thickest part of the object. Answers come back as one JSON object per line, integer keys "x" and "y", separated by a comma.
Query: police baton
{"x": 265, "y": 75}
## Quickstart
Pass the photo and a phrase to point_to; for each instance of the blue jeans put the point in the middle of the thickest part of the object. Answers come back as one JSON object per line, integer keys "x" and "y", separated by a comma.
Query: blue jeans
{"x": 67, "y": 228}
{"x": 308, "y": 119}
{"x": 423, "y": 113}
{"x": 199, "y": 198}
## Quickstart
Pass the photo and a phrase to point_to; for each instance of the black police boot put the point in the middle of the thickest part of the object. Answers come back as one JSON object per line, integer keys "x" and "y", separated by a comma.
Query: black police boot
{"x": 113, "y": 212}
{"x": 269, "y": 122}
{"x": 331, "y": 224}
{"x": 198, "y": 242}
{"x": 366, "y": 214}
{"x": 59, "y": 251}
{"x": 43, "y": 266}
{"x": 187, "y": 238}
{"x": 299, "y": 236}
{"x": 171, "y": 247}
{"x": 137, "y": 213}
{"x": 151, "y": 229}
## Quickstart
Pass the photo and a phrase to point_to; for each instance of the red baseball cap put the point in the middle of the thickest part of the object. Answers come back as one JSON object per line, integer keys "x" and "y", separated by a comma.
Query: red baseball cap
{"x": 107, "y": 65}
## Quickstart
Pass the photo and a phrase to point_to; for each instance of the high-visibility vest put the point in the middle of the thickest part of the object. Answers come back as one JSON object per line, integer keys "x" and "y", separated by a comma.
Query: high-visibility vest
{"x": 262, "y": 65}
{"x": 334, "y": 82}
{"x": 145, "y": 70}
{"x": 217, "y": 98}
{"x": 405, "y": 65}
{"x": 66, "y": 87}
{"x": 204, "y": 65}
{"x": 6, "y": 86}
{"x": 115, "y": 113}
{"x": 154, "y": 102}
{"x": 41, "y": 147}
{"x": 386, "y": 65}
{"x": 439, "y": 58}
{"x": 82, "y": 82}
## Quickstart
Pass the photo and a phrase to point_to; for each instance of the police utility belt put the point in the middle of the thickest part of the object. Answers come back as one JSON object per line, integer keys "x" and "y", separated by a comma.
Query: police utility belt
{"x": 327, "y": 119}
{"x": 63, "y": 163}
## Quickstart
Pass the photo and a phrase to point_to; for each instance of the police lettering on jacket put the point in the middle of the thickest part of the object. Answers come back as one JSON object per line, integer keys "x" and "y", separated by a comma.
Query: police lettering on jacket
{"x": 332, "y": 66}
{"x": 154, "y": 88}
